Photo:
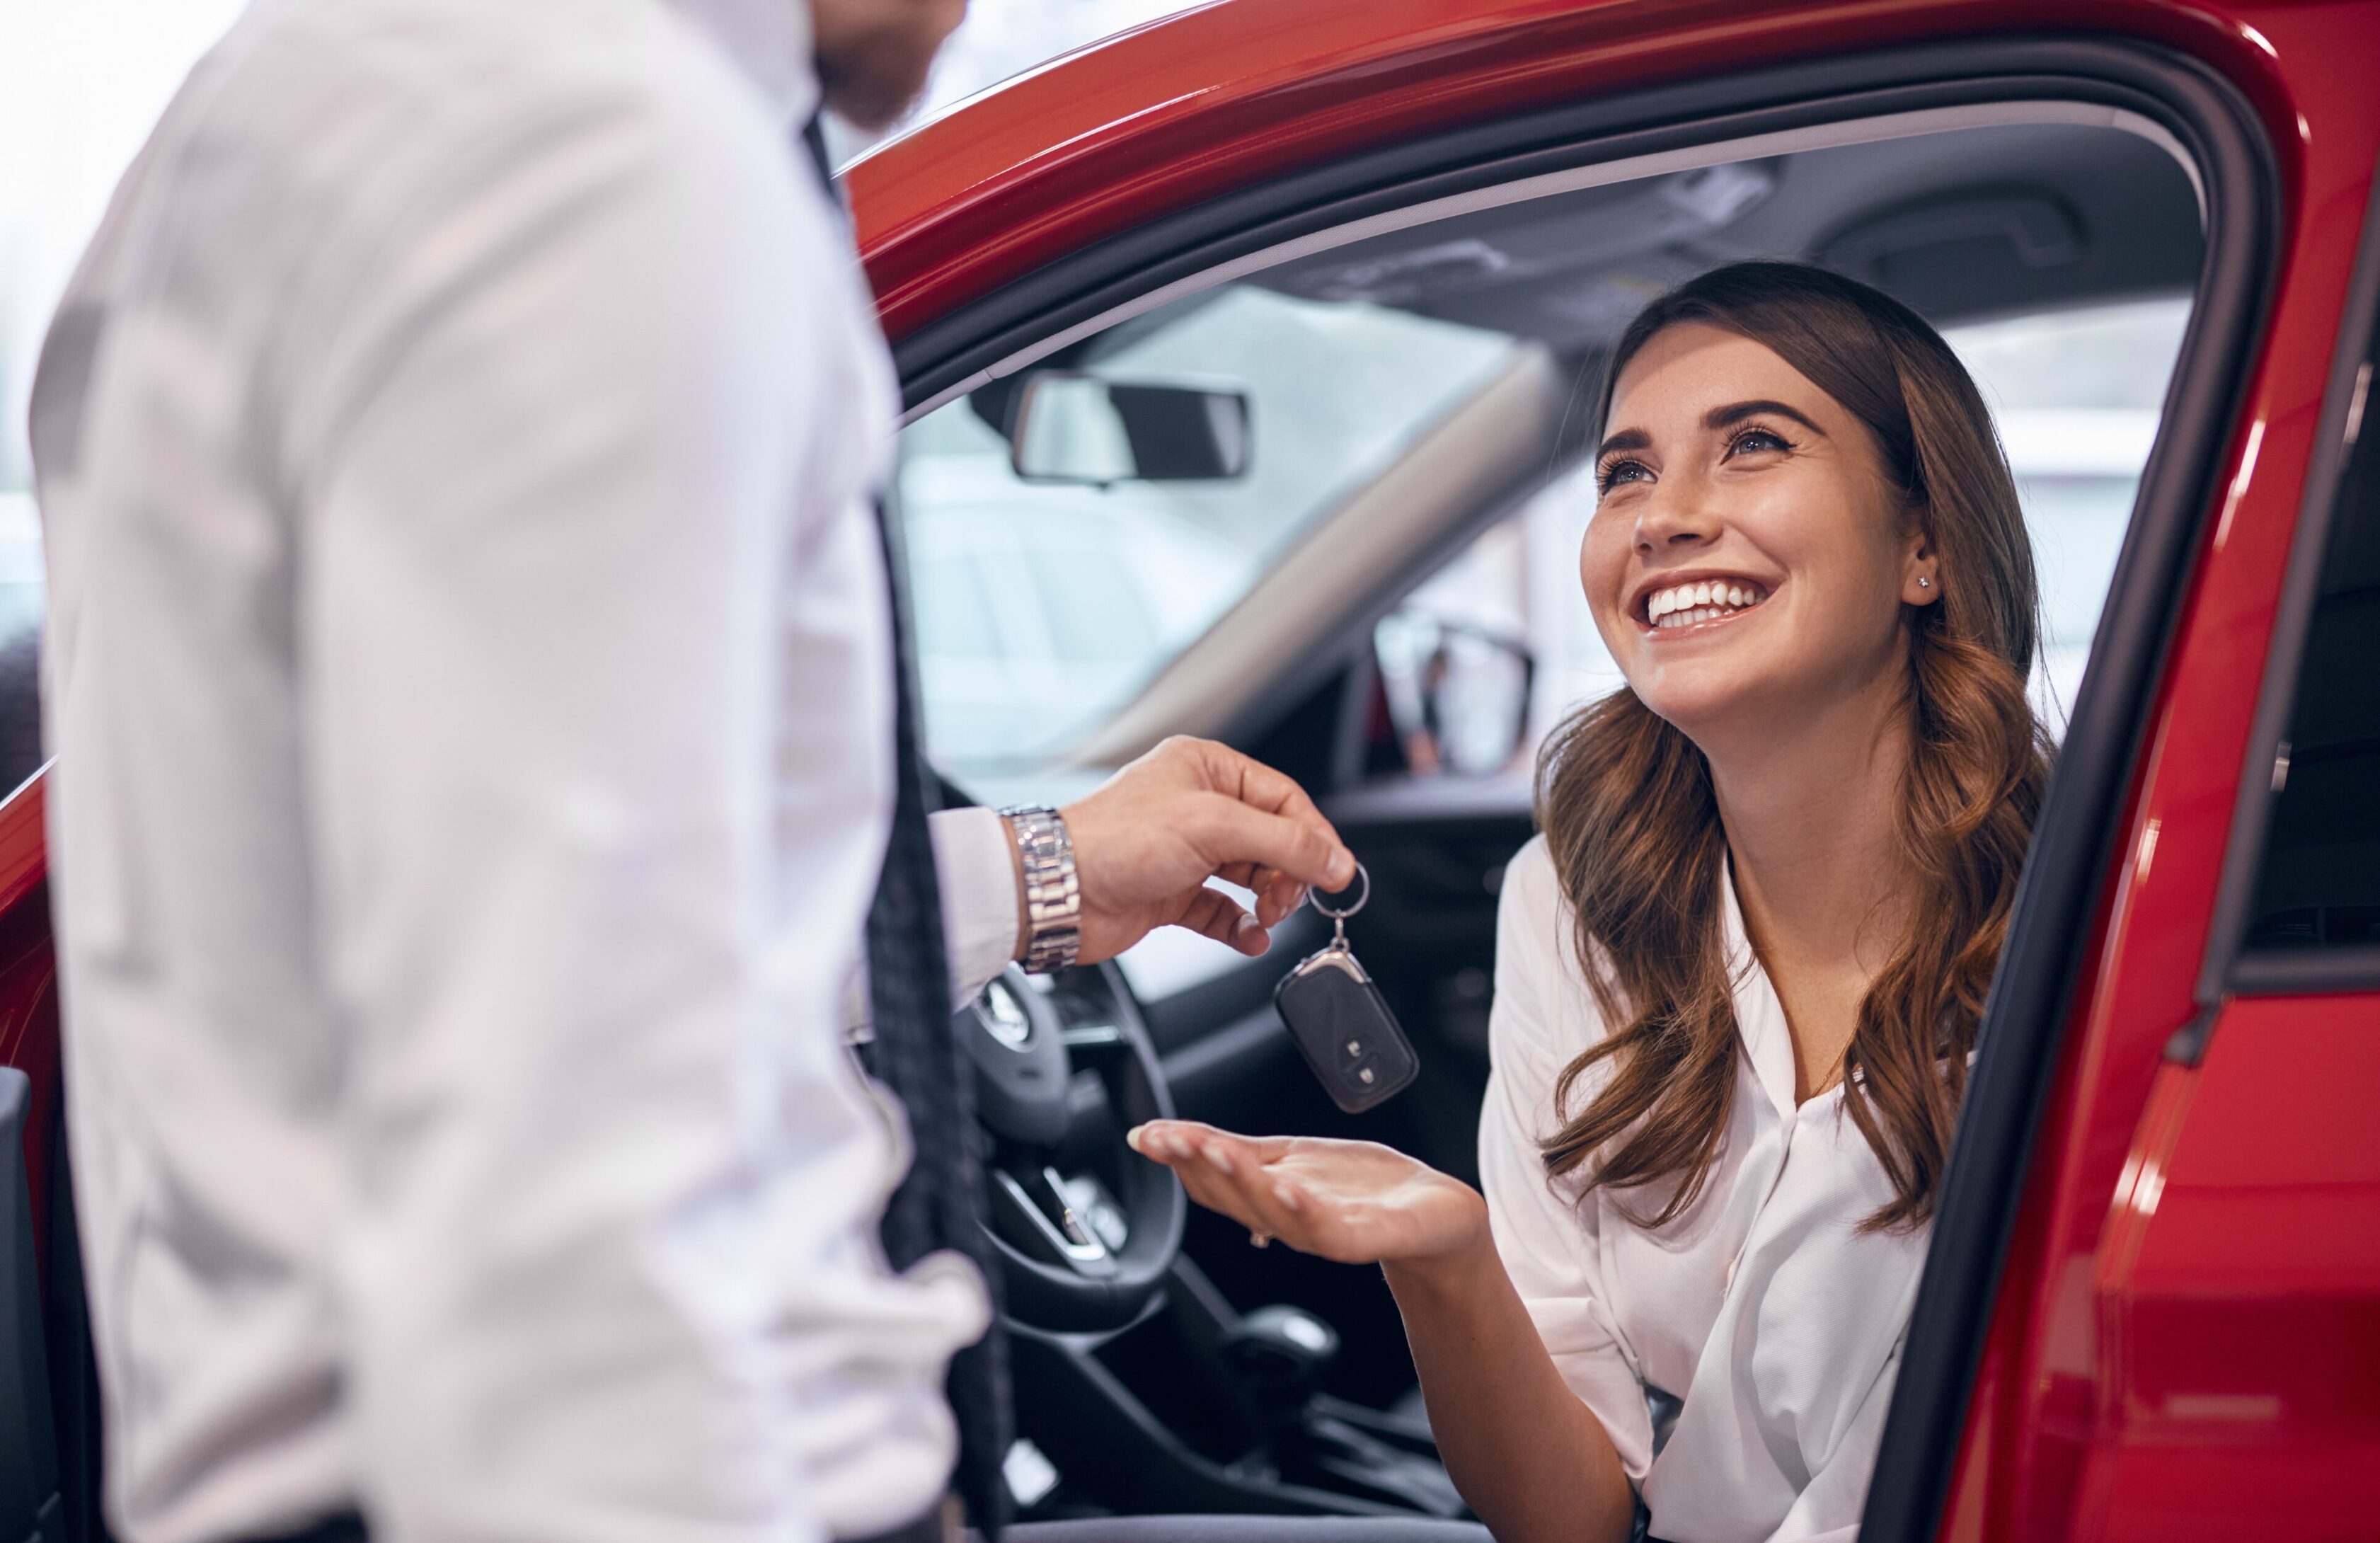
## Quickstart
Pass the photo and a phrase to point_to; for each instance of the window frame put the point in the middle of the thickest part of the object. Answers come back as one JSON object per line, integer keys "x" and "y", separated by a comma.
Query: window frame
{"x": 2025, "y": 1033}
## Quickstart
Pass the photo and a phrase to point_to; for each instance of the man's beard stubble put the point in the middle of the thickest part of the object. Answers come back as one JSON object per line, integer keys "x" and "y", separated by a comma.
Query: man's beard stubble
{"x": 873, "y": 77}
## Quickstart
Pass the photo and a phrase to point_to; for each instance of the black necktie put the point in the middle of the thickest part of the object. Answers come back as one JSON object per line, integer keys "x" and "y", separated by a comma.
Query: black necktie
{"x": 917, "y": 1056}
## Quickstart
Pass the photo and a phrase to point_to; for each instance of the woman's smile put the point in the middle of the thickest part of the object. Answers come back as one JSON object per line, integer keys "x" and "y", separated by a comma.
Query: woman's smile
{"x": 1678, "y": 604}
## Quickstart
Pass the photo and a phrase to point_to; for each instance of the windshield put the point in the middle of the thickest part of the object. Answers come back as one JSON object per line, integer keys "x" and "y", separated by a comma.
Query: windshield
{"x": 1042, "y": 609}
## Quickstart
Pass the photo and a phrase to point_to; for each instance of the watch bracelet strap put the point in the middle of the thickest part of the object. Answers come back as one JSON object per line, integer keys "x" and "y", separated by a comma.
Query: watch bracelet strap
{"x": 1053, "y": 896}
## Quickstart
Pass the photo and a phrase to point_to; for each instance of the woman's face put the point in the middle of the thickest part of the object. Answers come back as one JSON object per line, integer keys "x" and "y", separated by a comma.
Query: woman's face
{"x": 1748, "y": 560}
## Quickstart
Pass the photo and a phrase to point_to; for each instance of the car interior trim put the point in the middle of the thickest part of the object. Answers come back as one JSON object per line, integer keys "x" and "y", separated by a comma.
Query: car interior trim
{"x": 2231, "y": 965}
{"x": 2290, "y": 972}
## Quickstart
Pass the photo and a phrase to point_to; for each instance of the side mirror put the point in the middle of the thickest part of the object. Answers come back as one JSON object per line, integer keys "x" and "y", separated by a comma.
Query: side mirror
{"x": 1074, "y": 428}
{"x": 1458, "y": 693}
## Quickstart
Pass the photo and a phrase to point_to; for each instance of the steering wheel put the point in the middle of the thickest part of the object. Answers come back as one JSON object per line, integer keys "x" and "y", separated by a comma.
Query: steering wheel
{"x": 1086, "y": 1228}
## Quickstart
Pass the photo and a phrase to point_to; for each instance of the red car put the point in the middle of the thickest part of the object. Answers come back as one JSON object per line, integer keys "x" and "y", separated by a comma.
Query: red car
{"x": 1244, "y": 354}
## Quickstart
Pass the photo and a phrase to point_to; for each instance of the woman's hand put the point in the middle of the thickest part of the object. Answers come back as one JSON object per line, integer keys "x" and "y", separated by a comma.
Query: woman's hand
{"x": 1354, "y": 1201}
{"x": 1524, "y": 1450}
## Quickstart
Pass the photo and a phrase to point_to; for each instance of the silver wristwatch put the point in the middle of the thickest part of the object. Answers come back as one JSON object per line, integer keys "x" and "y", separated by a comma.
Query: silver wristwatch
{"x": 1053, "y": 901}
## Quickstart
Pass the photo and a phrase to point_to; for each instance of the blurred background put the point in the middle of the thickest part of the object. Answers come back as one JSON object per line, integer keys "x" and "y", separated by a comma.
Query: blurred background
{"x": 83, "y": 81}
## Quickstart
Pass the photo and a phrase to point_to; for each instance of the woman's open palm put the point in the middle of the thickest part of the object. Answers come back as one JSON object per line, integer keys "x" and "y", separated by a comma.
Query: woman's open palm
{"x": 1354, "y": 1201}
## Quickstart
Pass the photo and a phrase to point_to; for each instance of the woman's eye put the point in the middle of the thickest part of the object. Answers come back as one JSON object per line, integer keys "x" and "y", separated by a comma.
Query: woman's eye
{"x": 1757, "y": 439}
{"x": 1615, "y": 473}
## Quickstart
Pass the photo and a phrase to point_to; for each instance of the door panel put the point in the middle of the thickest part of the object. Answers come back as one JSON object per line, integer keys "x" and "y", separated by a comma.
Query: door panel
{"x": 2133, "y": 1332}
{"x": 2238, "y": 1298}
{"x": 2238, "y": 1290}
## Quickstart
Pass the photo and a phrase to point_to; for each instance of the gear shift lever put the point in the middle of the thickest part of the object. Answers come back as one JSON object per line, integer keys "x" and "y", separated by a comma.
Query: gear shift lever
{"x": 1276, "y": 1358}
{"x": 1279, "y": 1353}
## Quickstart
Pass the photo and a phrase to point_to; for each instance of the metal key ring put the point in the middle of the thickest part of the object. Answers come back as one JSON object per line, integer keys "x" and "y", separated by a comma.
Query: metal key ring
{"x": 1316, "y": 897}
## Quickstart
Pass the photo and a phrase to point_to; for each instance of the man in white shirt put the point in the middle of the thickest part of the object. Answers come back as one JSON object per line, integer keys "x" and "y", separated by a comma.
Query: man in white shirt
{"x": 468, "y": 666}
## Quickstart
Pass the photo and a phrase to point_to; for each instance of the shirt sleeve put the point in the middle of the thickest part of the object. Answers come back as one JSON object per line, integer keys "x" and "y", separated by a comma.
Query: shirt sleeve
{"x": 978, "y": 885}
{"x": 1547, "y": 1237}
{"x": 596, "y": 731}
{"x": 979, "y": 899}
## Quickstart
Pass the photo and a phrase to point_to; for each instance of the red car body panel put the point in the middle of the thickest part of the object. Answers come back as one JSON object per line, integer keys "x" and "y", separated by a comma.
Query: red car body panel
{"x": 1167, "y": 115}
{"x": 2187, "y": 1339}
{"x": 29, "y": 997}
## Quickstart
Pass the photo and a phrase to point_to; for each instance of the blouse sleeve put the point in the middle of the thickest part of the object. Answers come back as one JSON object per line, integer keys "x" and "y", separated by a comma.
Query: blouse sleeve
{"x": 1548, "y": 1238}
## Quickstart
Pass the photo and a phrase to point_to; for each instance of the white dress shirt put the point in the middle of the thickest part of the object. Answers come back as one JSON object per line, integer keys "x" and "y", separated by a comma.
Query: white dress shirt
{"x": 1762, "y": 1305}
{"x": 466, "y": 665}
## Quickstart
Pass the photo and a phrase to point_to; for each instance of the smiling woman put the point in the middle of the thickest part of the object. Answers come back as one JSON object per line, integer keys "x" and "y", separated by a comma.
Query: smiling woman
{"x": 1740, "y": 975}
{"x": 1881, "y": 520}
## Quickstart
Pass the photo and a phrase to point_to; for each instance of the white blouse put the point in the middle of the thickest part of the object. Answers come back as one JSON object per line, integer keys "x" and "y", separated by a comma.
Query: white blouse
{"x": 1762, "y": 1306}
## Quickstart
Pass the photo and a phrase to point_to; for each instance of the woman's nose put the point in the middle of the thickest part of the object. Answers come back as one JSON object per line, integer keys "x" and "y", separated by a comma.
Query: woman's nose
{"x": 1676, "y": 515}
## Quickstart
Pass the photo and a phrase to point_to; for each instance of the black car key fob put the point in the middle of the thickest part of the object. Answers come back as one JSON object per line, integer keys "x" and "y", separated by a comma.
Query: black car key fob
{"x": 1341, "y": 1022}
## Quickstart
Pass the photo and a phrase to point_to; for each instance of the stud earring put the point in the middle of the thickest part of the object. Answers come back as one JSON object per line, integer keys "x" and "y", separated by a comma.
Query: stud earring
{"x": 1924, "y": 583}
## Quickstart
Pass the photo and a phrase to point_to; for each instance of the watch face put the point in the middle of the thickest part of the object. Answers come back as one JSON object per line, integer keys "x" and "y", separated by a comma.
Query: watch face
{"x": 1004, "y": 1017}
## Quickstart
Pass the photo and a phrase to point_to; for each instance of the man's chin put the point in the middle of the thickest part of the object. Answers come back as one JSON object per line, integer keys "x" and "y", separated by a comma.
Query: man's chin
{"x": 867, "y": 114}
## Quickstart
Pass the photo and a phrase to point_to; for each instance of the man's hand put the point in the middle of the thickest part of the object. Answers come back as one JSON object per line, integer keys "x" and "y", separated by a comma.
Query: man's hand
{"x": 1149, "y": 840}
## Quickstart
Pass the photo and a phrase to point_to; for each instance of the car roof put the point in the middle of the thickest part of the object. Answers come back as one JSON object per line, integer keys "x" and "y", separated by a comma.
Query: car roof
{"x": 1162, "y": 117}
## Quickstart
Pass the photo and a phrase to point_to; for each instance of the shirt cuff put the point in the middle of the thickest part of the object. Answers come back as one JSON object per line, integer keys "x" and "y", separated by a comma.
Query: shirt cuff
{"x": 973, "y": 857}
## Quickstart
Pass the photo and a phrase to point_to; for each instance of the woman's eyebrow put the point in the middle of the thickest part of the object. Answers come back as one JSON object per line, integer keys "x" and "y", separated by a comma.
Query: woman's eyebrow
{"x": 1736, "y": 412}
{"x": 1718, "y": 417}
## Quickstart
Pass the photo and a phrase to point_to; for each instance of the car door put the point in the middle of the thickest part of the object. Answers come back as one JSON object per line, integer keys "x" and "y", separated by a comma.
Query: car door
{"x": 1211, "y": 149}
{"x": 2193, "y": 1350}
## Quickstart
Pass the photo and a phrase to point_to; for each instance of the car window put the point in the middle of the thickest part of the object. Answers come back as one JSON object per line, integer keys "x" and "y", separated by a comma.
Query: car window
{"x": 1042, "y": 606}
{"x": 2075, "y": 393}
{"x": 2319, "y": 884}
{"x": 1052, "y": 606}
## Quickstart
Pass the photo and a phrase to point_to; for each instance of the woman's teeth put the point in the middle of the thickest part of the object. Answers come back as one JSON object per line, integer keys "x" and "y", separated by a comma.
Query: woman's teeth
{"x": 1685, "y": 605}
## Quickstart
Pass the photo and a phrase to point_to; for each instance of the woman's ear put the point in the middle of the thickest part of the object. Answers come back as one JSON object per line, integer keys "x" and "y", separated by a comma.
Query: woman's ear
{"x": 1920, "y": 567}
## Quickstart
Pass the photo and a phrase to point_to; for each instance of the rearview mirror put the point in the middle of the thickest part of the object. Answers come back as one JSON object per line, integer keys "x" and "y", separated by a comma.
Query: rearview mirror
{"x": 1077, "y": 428}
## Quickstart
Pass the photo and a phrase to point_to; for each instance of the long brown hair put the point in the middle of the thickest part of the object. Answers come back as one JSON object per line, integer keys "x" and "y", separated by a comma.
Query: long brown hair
{"x": 1626, "y": 803}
